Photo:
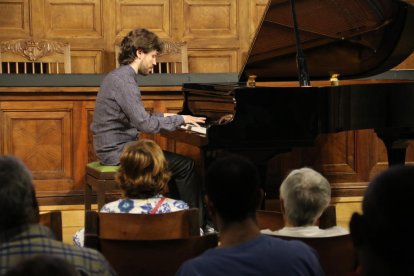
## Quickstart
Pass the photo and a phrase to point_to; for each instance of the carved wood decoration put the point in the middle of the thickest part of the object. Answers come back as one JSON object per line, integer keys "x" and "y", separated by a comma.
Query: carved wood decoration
{"x": 172, "y": 47}
{"x": 33, "y": 50}
{"x": 23, "y": 56}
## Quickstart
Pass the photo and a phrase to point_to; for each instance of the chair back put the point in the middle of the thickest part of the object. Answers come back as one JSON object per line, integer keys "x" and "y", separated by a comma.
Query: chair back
{"x": 53, "y": 220}
{"x": 336, "y": 254}
{"x": 147, "y": 244}
{"x": 29, "y": 56}
{"x": 173, "y": 60}
{"x": 273, "y": 220}
{"x": 118, "y": 226}
{"x": 154, "y": 257}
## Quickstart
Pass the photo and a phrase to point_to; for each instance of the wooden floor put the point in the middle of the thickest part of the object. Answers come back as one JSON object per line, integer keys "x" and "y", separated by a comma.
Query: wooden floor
{"x": 73, "y": 215}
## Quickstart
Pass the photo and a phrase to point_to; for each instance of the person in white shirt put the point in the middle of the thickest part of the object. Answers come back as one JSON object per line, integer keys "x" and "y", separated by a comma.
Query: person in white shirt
{"x": 304, "y": 195}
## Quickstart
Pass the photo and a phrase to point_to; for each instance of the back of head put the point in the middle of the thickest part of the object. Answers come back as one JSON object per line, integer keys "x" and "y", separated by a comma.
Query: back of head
{"x": 18, "y": 204}
{"x": 233, "y": 186}
{"x": 305, "y": 194}
{"x": 138, "y": 39}
{"x": 382, "y": 232}
{"x": 143, "y": 170}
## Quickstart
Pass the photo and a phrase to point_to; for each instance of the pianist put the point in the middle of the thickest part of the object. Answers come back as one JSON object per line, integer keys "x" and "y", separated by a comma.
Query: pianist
{"x": 120, "y": 115}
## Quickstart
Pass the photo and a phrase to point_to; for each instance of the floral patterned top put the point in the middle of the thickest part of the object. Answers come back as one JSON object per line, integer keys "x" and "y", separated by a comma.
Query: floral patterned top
{"x": 144, "y": 206}
{"x": 136, "y": 206}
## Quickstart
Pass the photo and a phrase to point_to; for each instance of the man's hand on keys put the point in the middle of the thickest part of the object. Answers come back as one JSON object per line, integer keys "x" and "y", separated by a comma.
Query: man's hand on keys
{"x": 194, "y": 120}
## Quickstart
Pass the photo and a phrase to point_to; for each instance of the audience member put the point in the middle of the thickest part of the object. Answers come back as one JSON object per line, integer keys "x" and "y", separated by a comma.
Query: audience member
{"x": 143, "y": 176}
{"x": 304, "y": 195}
{"x": 21, "y": 236}
{"x": 233, "y": 194}
{"x": 381, "y": 234}
{"x": 43, "y": 265}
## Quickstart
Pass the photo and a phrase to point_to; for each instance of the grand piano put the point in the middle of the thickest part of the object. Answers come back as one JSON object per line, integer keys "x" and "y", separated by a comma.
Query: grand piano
{"x": 343, "y": 42}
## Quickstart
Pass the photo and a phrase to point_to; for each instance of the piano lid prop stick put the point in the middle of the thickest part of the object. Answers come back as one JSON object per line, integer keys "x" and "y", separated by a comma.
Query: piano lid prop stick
{"x": 300, "y": 56}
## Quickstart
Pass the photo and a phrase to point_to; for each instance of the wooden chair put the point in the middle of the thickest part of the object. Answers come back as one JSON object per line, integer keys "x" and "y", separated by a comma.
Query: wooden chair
{"x": 53, "y": 220}
{"x": 29, "y": 56}
{"x": 154, "y": 257}
{"x": 174, "y": 58}
{"x": 145, "y": 244}
{"x": 337, "y": 254}
{"x": 118, "y": 226}
{"x": 273, "y": 220}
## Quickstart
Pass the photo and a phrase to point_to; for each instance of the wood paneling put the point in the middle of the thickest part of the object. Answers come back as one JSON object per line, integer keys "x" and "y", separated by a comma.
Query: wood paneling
{"x": 14, "y": 18}
{"x": 220, "y": 61}
{"x": 80, "y": 18}
{"x": 222, "y": 29}
{"x": 210, "y": 19}
{"x": 48, "y": 128}
{"x": 213, "y": 28}
{"x": 86, "y": 61}
{"x": 151, "y": 14}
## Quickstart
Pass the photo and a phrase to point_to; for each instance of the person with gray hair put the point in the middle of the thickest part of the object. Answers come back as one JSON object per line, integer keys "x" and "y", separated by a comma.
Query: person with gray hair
{"x": 304, "y": 195}
{"x": 21, "y": 235}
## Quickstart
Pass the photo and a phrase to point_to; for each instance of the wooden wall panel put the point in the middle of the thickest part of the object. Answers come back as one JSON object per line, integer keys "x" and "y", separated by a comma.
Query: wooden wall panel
{"x": 256, "y": 10}
{"x": 151, "y": 14}
{"x": 14, "y": 18}
{"x": 41, "y": 135}
{"x": 49, "y": 129}
{"x": 337, "y": 152}
{"x": 89, "y": 115}
{"x": 86, "y": 61}
{"x": 79, "y": 18}
{"x": 210, "y": 19}
{"x": 218, "y": 61}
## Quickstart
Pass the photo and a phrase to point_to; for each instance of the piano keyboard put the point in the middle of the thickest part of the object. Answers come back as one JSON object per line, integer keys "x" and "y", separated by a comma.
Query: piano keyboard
{"x": 200, "y": 129}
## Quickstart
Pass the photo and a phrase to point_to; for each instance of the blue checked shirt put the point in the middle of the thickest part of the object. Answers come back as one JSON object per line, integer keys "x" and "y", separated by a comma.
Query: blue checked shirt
{"x": 24, "y": 242}
{"x": 120, "y": 115}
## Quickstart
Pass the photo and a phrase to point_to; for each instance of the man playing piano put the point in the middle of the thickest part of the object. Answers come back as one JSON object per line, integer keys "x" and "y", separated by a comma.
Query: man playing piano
{"x": 120, "y": 116}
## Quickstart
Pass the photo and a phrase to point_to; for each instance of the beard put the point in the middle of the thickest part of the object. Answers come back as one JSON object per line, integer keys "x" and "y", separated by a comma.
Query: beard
{"x": 144, "y": 70}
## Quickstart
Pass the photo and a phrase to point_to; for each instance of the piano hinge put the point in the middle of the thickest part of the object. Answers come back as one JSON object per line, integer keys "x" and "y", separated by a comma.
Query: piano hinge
{"x": 334, "y": 79}
{"x": 251, "y": 81}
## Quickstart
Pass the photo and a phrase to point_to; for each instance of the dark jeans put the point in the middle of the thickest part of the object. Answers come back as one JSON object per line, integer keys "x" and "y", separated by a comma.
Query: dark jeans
{"x": 184, "y": 183}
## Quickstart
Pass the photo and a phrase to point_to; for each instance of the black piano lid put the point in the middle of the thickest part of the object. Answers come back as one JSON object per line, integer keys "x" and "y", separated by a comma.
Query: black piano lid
{"x": 352, "y": 38}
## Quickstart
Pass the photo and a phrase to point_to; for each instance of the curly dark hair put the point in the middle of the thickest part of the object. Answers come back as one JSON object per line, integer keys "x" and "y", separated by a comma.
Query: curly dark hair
{"x": 138, "y": 39}
{"x": 143, "y": 170}
{"x": 232, "y": 183}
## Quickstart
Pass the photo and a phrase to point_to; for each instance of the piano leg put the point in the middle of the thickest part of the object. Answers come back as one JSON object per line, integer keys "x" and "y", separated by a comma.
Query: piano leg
{"x": 259, "y": 158}
{"x": 396, "y": 147}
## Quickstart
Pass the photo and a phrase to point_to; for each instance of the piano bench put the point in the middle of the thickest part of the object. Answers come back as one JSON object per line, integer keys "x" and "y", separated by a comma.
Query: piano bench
{"x": 101, "y": 179}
